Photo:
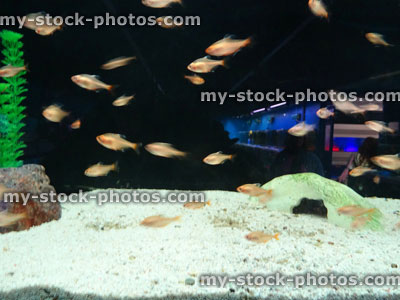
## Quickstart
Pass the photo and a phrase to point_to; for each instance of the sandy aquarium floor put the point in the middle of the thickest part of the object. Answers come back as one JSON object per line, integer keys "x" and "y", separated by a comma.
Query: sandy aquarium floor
{"x": 101, "y": 252}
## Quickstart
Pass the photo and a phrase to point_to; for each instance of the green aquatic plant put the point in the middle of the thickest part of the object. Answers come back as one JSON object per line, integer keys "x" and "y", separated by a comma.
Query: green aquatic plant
{"x": 289, "y": 190}
{"x": 11, "y": 110}
{"x": 3, "y": 124}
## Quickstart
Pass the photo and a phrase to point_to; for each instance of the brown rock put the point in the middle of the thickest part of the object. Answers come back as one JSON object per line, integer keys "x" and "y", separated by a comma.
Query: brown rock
{"x": 32, "y": 181}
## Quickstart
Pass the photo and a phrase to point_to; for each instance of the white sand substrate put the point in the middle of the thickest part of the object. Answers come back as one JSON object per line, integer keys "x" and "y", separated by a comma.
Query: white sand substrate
{"x": 101, "y": 252}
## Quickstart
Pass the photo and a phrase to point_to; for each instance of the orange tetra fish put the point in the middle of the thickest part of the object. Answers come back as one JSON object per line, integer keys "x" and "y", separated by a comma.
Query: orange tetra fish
{"x": 11, "y": 71}
{"x": 227, "y": 46}
{"x": 359, "y": 171}
{"x": 205, "y": 65}
{"x": 91, "y": 83}
{"x": 54, "y": 113}
{"x": 76, "y": 125}
{"x": 158, "y": 221}
{"x": 255, "y": 191}
{"x": 377, "y": 39}
{"x": 195, "y": 79}
{"x": 390, "y": 162}
{"x": 218, "y": 158}
{"x": 164, "y": 150}
{"x": 196, "y": 205}
{"x": 167, "y": 22}
{"x": 123, "y": 100}
{"x": 117, "y": 62}
{"x": 318, "y": 8}
{"x": 100, "y": 169}
{"x": 355, "y": 210}
{"x": 261, "y": 237}
{"x": 116, "y": 142}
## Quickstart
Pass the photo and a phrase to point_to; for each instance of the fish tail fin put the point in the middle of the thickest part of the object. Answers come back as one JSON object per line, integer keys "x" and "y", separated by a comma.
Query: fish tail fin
{"x": 208, "y": 202}
{"x": 182, "y": 155}
{"x": 180, "y": 2}
{"x": 111, "y": 88}
{"x": 265, "y": 197}
{"x": 116, "y": 166}
{"x": 225, "y": 63}
{"x": 26, "y": 67}
{"x": 250, "y": 41}
{"x": 136, "y": 147}
{"x": 61, "y": 27}
{"x": 370, "y": 211}
{"x": 232, "y": 157}
{"x": 276, "y": 236}
{"x": 177, "y": 218}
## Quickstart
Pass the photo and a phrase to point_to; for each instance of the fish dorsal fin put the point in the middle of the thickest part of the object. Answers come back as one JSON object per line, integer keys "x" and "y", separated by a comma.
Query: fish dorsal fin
{"x": 94, "y": 76}
{"x": 257, "y": 184}
{"x": 122, "y": 136}
{"x": 229, "y": 36}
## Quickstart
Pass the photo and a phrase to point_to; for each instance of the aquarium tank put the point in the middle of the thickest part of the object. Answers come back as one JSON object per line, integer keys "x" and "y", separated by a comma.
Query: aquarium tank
{"x": 182, "y": 149}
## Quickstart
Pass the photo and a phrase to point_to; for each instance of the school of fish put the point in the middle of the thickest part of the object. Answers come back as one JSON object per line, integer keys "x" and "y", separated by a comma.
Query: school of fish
{"x": 217, "y": 56}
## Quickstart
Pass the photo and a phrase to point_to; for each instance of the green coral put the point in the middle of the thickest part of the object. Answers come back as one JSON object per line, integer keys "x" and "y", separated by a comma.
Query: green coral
{"x": 289, "y": 190}
{"x": 10, "y": 102}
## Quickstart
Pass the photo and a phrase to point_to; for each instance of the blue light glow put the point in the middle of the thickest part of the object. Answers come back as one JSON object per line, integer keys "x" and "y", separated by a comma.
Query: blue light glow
{"x": 347, "y": 144}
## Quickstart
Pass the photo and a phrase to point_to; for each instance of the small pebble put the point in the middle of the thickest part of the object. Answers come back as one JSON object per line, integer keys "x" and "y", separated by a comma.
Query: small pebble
{"x": 189, "y": 281}
{"x": 394, "y": 266}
